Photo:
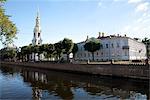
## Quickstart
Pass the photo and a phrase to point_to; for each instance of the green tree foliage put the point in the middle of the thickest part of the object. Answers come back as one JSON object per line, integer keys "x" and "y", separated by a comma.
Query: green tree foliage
{"x": 24, "y": 52}
{"x": 2, "y": 1}
{"x": 28, "y": 51}
{"x": 50, "y": 50}
{"x": 67, "y": 46}
{"x": 58, "y": 49}
{"x": 75, "y": 49}
{"x": 43, "y": 48}
{"x": 19, "y": 55}
{"x": 8, "y": 29}
{"x": 146, "y": 41}
{"x": 36, "y": 50}
{"x": 8, "y": 53}
{"x": 92, "y": 45}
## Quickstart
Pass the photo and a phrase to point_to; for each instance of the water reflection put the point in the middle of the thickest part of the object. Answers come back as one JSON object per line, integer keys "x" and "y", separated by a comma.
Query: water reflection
{"x": 59, "y": 85}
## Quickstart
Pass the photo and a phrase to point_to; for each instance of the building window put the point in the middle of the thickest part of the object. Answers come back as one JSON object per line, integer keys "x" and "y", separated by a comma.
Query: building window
{"x": 84, "y": 54}
{"x": 125, "y": 53}
{"x": 89, "y": 54}
{"x": 140, "y": 51}
{"x": 38, "y": 34}
{"x": 117, "y": 45}
{"x": 112, "y": 45}
{"x": 102, "y": 53}
{"x": 97, "y": 53}
{"x": 106, "y": 45}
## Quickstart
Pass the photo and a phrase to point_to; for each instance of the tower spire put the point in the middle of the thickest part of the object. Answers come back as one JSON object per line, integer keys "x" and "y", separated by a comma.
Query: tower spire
{"x": 38, "y": 12}
{"x": 37, "y": 31}
{"x": 38, "y": 18}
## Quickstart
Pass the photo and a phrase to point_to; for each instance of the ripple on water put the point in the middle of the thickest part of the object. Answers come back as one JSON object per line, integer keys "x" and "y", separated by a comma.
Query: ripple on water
{"x": 28, "y": 83}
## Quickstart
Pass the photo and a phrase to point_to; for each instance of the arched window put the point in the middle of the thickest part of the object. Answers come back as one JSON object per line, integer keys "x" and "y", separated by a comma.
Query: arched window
{"x": 84, "y": 54}
{"x": 97, "y": 53}
{"x": 38, "y": 34}
{"x": 106, "y": 45}
{"x": 112, "y": 45}
{"x": 118, "y": 45}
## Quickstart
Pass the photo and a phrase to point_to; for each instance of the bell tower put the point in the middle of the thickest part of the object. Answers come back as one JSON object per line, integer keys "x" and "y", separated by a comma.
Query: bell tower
{"x": 37, "y": 32}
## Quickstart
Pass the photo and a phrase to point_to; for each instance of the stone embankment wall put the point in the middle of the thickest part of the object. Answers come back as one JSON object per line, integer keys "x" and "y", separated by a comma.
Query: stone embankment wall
{"x": 120, "y": 70}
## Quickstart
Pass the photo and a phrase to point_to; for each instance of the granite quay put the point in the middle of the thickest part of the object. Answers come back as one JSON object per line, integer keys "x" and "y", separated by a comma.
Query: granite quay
{"x": 118, "y": 70}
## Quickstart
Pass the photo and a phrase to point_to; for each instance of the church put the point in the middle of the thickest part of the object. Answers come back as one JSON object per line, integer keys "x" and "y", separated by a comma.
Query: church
{"x": 37, "y": 38}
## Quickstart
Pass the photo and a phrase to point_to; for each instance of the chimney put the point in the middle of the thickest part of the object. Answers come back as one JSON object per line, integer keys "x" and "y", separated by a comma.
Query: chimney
{"x": 87, "y": 37}
{"x": 102, "y": 34}
{"x": 99, "y": 34}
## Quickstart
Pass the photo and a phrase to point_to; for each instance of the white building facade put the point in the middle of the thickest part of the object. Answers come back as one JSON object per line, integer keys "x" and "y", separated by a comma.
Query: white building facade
{"x": 113, "y": 47}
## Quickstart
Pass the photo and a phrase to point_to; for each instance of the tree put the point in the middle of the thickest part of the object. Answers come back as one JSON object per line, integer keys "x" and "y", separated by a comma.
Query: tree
{"x": 8, "y": 53}
{"x": 43, "y": 48}
{"x": 75, "y": 49}
{"x": 67, "y": 46}
{"x": 146, "y": 41}
{"x": 50, "y": 50}
{"x": 35, "y": 50}
{"x": 29, "y": 51}
{"x": 12, "y": 53}
{"x": 24, "y": 53}
{"x": 58, "y": 49}
{"x": 8, "y": 29}
{"x": 2, "y": 1}
{"x": 19, "y": 55}
{"x": 92, "y": 45}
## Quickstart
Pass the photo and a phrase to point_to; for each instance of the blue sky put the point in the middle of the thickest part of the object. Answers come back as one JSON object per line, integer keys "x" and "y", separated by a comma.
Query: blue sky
{"x": 75, "y": 19}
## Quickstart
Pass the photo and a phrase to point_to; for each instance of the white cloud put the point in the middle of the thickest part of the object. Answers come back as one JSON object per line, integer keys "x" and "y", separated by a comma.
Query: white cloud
{"x": 134, "y": 1}
{"x": 142, "y": 7}
{"x": 139, "y": 26}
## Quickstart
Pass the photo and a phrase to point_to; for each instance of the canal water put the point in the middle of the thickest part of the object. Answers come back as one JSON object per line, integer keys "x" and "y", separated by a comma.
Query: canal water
{"x": 21, "y": 83}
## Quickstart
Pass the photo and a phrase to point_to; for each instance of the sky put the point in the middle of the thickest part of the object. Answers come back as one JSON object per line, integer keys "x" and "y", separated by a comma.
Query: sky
{"x": 75, "y": 19}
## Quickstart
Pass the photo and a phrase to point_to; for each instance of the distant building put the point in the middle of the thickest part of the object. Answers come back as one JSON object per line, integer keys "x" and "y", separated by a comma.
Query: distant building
{"x": 113, "y": 47}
